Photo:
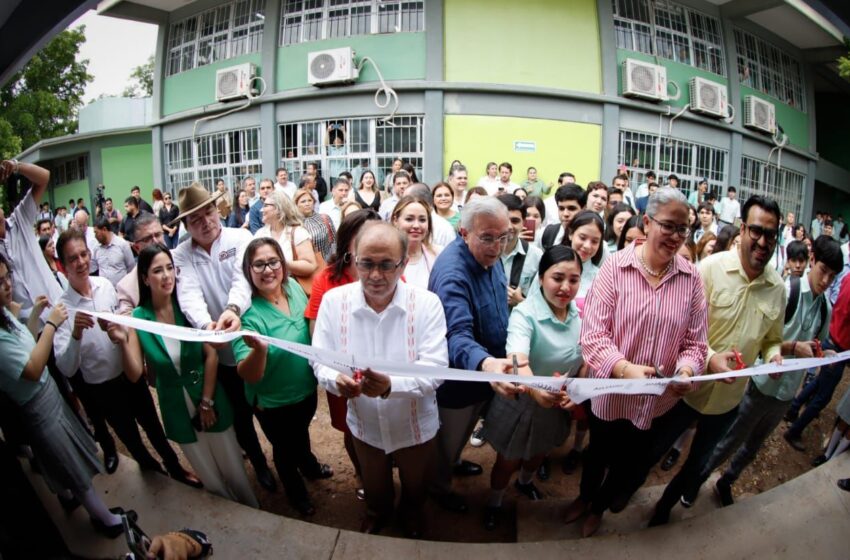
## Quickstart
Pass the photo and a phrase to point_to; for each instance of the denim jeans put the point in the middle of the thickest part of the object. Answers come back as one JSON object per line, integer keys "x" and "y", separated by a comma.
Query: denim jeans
{"x": 818, "y": 393}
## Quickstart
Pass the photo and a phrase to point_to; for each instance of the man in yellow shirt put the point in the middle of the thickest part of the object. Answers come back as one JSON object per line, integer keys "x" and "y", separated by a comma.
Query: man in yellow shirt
{"x": 746, "y": 301}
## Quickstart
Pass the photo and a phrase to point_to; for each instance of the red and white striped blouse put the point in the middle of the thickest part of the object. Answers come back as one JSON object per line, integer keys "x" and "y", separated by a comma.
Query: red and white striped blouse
{"x": 625, "y": 317}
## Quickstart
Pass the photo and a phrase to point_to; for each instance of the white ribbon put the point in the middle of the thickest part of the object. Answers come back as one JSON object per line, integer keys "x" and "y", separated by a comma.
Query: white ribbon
{"x": 579, "y": 389}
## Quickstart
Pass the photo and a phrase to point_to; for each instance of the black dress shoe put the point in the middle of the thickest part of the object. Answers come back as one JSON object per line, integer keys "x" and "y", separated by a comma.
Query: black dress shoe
{"x": 305, "y": 507}
{"x": 529, "y": 490}
{"x": 451, "y": 502}
{"x": 819, "y": 460}
{"x": 723, "y": 489}
{"x": 492, "y": 517}
{"x": 265, "y": 477}
{"x": 794, "y": 440}
{"x": 114, "y": 531}
{"x": 844, "y": 484}
{"x": 543, "y": 472}
{"x": 186, "y": 478}
{"x": 671, "y": 459}
{"x": 68, "y": 504}
{"x": 110, "y": 462}
{"x": 791, "y": 416}
{"x": 324, "y": 471}
{"x": 660, "y": 517}
{"x": 571, "y": 462}
{"x": 467, "y": 468}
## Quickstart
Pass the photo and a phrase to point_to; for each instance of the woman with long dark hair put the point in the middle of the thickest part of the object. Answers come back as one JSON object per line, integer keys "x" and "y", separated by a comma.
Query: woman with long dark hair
{"x": 196, "y": 413}
{"x": 340, "y": 271}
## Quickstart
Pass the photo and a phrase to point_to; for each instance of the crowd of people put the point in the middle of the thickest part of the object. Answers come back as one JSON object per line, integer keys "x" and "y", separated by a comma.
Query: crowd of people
{"x": 534, "y": 279}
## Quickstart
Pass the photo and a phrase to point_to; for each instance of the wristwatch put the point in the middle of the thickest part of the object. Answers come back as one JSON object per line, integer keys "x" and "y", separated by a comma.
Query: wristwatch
{"x": 233, "y": 307}
{"x": 201, "y": 539}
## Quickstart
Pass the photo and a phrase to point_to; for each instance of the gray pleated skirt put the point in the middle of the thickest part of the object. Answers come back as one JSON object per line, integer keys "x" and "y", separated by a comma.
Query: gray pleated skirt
{"x": 521, "y": 429}
{"x": 65, "y": 451}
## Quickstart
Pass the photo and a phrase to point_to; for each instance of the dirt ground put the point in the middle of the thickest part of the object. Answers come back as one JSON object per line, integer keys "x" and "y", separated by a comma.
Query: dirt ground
{"x": 337, "y": 506}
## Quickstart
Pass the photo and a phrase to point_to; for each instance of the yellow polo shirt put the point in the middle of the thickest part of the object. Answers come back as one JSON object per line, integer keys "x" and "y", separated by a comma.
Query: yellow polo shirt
{"x": 744, "y": 315}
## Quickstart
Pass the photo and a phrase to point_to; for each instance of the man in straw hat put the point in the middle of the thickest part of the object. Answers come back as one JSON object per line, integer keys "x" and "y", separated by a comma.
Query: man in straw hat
{"x": 213, "y": 294}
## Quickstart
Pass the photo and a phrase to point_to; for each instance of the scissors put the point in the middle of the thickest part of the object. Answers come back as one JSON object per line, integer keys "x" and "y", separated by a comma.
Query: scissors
{"x": 357, "y": 375}
{"x": 818, "y": 349}
{"x": 739, "y": 361}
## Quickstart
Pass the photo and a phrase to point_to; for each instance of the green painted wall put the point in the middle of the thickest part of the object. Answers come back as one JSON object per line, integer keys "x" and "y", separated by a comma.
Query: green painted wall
{"x": 196, "y": 88}
{"x": 75, "y": 190}
{"x": 400, "y": 56}
{"x": 545, "y": 43}
{"x": 794, "y": 122}
{"x": 560, "y": 146}
{"x": 678, "y": 73}
{"x": 125, "y": 166}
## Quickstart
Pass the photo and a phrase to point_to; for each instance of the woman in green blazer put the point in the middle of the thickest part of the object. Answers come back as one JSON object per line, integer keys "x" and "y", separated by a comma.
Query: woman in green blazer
{"x": 195, "y": 411}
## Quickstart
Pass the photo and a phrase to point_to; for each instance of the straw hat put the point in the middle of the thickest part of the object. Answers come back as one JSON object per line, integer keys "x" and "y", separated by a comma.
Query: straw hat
{"x": 193, "y": 198}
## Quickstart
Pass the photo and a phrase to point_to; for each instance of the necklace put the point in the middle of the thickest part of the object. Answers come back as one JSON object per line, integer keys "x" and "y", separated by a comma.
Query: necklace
{"x": 651, "y": 272}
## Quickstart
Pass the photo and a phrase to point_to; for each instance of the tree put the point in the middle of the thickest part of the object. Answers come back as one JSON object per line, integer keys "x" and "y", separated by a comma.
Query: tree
{"x": 42, "y": 100}
{"x": 143, "y": 80}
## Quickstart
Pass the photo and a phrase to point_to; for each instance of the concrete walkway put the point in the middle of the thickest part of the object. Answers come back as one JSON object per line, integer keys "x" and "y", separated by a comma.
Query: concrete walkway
{"x": 808, "y": 517}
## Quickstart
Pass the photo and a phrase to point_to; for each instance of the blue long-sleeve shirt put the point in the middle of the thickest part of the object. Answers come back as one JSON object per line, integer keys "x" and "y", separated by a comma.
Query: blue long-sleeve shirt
{"x": 255, "y": 217}
{"x": 475, "y": 301}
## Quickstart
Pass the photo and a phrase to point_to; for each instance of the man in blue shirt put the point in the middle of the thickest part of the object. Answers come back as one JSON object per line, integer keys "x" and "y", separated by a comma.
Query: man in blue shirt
{"x": 470, "y": 281}
{"x": 255, "y": 214}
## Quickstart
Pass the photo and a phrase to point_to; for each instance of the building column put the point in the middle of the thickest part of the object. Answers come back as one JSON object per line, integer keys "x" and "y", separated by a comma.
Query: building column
{"x": 268, "y": 71}
{"x": 807, "y": 212}
{"x": 434, "y": 120}
{"x": 736, "y": 150}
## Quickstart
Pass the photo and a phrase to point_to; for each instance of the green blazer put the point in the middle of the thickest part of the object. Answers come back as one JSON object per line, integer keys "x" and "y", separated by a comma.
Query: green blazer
{"x": 170, "y": 384}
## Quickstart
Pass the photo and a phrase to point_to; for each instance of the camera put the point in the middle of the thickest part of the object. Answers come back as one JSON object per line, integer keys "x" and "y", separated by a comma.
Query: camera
{"x": 99, "y": 199}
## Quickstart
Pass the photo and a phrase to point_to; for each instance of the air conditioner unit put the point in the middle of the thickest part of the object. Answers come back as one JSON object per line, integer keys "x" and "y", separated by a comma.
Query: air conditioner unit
{"x": 333, "y": 66}
{"x": 759, "y": 114}
{"x": 708, "y": 98}
{"x": 234, "y": 82}
{"x": 644, "y": 80}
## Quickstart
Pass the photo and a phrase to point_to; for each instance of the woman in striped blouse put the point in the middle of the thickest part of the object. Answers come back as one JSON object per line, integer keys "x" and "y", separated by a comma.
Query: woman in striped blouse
{"x": 645, "y": 316}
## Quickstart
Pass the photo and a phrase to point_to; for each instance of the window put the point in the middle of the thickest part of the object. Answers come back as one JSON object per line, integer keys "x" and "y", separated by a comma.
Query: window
{"x": 224, "y": 32}
{"x": 671, "y": 31}
{"x": 352, "y": 145}
{"x": 314, "y": 20}
{"x": 764, "y": 67}
{"x": 642, "y": 152}
{"x": 69, "y": 170}
{"x": 782, "y": 185}
{"x": 231, "y": 156}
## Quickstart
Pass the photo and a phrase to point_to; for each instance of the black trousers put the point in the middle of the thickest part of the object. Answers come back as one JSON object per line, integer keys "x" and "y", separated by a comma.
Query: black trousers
{"x": 243, "y": 414}
{"x": 124, "y": 404}
{"x": 287, "y": 428}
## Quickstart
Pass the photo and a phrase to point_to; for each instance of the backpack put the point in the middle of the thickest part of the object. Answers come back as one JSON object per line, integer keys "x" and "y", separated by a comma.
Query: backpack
{"x": 516, "y": 265}
{"x": 549, "y": 235}
{"x": 794, "y": 302}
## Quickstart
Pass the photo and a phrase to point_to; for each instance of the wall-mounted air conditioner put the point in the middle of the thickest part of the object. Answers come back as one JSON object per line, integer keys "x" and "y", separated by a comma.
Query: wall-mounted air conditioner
{"x": 234, "y": 82}
{"x": 333, "y": 66}
{"x": 708, "y": 98}
{"x": 644, "y": 80}
{"x": 759, "y": 114}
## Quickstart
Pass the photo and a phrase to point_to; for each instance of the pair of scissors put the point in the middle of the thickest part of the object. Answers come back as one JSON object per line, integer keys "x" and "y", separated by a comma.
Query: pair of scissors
{"x": 739, "y": 361}
{"x": 818, "y": 349}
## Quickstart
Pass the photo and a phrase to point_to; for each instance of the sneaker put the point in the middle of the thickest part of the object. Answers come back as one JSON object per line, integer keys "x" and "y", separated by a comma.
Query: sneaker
{"x": 529, "y": 490}
{"x": 723, "y": 490}
{"x": 794, "y": 440}
{"x": 685, "y": 502}
{"x": 477, "y": 437}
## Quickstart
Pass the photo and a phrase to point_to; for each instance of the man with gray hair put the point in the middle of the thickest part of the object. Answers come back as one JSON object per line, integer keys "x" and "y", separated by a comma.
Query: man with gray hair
{"x": 393, "y": 420}
{"x": 459, "y": 181}
{"x": 443, "y": 233}
{"x": 470, "y": 281}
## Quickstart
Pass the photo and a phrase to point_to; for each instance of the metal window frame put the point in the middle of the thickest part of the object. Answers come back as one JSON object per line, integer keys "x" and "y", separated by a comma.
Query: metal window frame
{"x": 178, "y": 45}
{"x": 770, "y": 69}
{"x": 785, "y": 186}
{"x": 296, "y": 19}
{"x": 628, "y": 27}
{"x": 298, "y": 162}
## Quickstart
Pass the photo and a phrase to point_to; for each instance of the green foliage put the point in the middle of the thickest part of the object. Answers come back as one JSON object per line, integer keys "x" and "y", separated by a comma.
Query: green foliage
{"x": 142, "y": 84}
{"x": 42, "y": 100}
{"x": 844, "y": 67}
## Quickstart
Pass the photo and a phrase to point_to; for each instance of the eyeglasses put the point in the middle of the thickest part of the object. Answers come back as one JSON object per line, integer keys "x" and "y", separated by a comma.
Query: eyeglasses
{"x": 757, "y": 232}
{"x": 367, "y": 267}
{"x": 503, "y": 239}
{"x": 260, "y": 266}
{"x": 152, "y": 238}
{"x": 669, "y": 229}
